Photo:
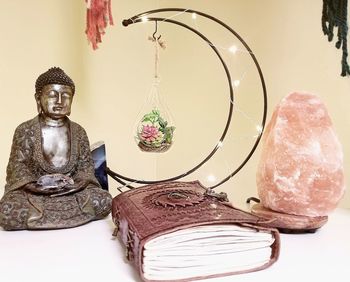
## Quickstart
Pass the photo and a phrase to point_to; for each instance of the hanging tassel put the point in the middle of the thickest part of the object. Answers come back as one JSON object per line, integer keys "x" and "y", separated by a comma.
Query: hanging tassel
{"x": 334, "y": 13}
{"x": 157, "y": 43}
{"x": 98, "y": 16}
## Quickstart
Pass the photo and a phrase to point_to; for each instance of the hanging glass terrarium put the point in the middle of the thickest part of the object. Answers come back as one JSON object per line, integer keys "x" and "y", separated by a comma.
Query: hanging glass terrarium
{"x": 155, "y": 128}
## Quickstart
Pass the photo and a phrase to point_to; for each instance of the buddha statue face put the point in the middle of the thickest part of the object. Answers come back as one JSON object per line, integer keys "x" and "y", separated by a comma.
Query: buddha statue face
{"x": 55, "y": 101}
{"x": 54, "y": 91}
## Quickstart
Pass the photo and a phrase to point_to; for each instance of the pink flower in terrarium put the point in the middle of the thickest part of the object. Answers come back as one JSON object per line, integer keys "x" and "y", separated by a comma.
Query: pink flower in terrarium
{"x": 150, "y": 134}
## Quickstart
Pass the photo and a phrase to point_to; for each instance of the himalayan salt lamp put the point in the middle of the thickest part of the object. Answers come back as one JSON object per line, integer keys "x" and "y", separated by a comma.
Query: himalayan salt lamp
{"x": 300, "y": 177}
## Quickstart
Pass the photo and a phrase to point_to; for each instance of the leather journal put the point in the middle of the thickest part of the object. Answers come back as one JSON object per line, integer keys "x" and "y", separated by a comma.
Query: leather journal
{"x": 182, "y": 231}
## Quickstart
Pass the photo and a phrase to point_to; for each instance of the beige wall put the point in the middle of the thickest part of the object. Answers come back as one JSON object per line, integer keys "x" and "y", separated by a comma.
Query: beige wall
{"x": 113, "y": 81}
{"x": 34, "y": 36}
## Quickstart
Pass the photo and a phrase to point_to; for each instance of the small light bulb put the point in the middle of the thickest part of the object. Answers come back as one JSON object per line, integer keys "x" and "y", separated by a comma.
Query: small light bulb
{"x": 259, "y": 128}
{"x": 233, "y": 49}
{"x": 236, "y": 83}
{"x": 144, "y": 19}
{"x": 220, "y": 144}
{"x": 211, "y": 178}
{"x": 194, "y": 16}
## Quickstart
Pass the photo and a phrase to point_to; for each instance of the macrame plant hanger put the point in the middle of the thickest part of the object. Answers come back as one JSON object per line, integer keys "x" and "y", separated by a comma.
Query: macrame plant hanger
{"x": 155, "y": 128}
{"x": 334, "y": 14}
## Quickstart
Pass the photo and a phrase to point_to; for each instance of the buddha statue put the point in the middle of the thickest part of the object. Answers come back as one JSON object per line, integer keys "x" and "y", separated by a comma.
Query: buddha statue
{"x": 50, "y": 180}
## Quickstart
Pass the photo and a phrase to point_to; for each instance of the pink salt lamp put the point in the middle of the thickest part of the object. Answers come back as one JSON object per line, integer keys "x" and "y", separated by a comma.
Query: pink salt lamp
{"x": 300, "y": 177}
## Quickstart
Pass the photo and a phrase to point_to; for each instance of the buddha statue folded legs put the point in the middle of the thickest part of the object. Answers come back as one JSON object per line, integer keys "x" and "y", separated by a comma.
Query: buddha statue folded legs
{"x": 21, "y": 210}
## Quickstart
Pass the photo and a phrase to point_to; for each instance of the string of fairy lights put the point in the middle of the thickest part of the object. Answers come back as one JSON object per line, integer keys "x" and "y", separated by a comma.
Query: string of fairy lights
{"x": 236, "y": 82}
{"x": 233, "y": 49}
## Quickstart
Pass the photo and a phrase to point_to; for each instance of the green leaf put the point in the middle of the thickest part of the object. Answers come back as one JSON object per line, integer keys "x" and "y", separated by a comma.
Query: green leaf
{"x": 156, "y": 112}
{"x": 168, "y": 133}
{"x": 145, "y": 119}
{"x": 161, "y": 123}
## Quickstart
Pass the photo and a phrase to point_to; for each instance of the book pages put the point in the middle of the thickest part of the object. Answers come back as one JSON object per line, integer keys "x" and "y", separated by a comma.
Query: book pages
{"x": 205, "y": 250}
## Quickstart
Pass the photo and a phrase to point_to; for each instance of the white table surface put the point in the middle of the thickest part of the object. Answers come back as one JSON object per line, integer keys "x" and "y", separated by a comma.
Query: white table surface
{"x": 90, "y": 253}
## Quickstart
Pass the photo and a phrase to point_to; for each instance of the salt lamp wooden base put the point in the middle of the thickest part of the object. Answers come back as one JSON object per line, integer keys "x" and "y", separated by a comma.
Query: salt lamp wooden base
{"x": 288, "y": 223}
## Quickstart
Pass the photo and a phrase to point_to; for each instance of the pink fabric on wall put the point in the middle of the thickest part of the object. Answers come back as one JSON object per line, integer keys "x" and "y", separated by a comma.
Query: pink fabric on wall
{"x": 98, "y": 16}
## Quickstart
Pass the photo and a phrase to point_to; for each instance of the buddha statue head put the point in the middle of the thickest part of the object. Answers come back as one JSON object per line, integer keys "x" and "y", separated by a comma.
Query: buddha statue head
{"x": 54, "y": 91}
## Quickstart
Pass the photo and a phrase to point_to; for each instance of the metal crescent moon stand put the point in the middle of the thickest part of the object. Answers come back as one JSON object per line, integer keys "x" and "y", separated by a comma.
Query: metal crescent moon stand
{"x": 286, "y": 223}
{"x": 127, "y": 181}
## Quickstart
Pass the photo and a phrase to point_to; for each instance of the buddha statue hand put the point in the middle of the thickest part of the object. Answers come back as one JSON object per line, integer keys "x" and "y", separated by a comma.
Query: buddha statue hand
{"x": 79, "y": 184}
{"x": 55, "y": 185}
{"x": 36, "y": 188}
